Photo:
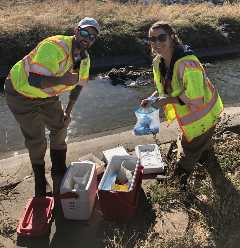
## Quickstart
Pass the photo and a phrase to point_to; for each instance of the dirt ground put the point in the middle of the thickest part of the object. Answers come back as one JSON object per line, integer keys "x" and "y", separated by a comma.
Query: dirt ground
{"x": 17, "y": 186}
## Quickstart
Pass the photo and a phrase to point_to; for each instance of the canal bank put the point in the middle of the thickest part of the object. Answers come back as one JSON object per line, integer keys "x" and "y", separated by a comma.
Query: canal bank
{"x": 201, "y": 53}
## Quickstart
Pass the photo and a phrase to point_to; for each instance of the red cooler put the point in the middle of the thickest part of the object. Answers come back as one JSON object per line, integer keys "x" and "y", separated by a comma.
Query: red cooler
{"x": 36, "y": 217}
{"x": 116, "y": 204}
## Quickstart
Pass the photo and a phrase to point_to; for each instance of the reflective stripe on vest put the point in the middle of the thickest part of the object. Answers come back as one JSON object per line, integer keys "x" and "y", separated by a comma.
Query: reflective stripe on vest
{"x": 43, "y": 70}
{"x": 198, "y": 112}
{"x": 49, "y": 91}
{"x": 84, "y": 81}
{"x": 201, "y": 112}
{"x": 181, "y": 67}
{"x": 26, "y": 61}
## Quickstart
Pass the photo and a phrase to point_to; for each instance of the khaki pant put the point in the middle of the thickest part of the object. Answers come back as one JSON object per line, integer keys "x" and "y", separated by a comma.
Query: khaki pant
{"x": 192, "y": 151}
{"x": 33, "y": 115}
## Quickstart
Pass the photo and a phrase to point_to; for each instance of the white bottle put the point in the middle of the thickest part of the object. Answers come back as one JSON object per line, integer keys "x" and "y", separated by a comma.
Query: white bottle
{"x": 129, "y": 178}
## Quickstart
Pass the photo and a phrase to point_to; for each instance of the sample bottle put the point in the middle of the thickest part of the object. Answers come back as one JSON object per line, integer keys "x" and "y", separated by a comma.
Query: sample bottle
{"x": 129, "y": 178}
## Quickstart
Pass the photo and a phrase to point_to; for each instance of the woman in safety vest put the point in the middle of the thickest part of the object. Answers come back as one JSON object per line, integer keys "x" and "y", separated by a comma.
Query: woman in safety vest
{"x": 186, "y": 93}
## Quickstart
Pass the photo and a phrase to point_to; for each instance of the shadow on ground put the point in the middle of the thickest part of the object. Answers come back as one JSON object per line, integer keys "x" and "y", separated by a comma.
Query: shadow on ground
{"x": 222, "y": 212}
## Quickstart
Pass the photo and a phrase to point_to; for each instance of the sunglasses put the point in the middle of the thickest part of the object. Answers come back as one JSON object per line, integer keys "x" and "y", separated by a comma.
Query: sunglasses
{"x": 161, "y": 38}
{"x": 85, "y": 33}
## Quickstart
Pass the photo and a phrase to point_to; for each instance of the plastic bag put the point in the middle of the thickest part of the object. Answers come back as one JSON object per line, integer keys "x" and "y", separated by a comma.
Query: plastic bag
{"x": 148, "y": 121}
{"x": 110, "y": 182}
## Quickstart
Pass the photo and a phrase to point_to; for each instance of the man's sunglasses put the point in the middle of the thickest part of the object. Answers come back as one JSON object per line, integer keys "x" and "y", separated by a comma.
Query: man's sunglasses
{"x": 161, "y": 38}
{"x": 85, "y": 33}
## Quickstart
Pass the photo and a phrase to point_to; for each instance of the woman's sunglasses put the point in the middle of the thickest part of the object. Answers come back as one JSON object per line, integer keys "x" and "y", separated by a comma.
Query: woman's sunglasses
{"x": 161, "y": 38}
{"x": 85, "y": 33}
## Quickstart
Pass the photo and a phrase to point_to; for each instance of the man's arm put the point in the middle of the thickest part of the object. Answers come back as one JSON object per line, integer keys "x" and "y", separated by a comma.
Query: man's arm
{"x": 66, "y": 118}
{"x": 68, "y": 79}
{"x": 74, "y": 93}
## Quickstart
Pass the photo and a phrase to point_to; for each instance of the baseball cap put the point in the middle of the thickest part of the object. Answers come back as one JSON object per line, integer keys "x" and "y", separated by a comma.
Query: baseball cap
{"x": 89, "y": 22}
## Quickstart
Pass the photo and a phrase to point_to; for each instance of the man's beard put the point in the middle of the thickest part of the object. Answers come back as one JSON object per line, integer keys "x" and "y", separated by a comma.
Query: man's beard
{"x": 80, "y": 46}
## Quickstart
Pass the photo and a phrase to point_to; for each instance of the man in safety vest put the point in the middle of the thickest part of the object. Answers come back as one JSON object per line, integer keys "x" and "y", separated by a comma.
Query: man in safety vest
{"x": 32, "y": 90}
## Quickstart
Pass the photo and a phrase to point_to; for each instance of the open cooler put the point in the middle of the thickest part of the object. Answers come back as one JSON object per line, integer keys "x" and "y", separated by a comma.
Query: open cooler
{"x": 119, "y": 151}
{"x": 36, "y": 217}
{"x": 91, "y": 158}
{"x": 120, "y": 205}
{"x": 78, "y": 190}
{"x": 150, "y": 158}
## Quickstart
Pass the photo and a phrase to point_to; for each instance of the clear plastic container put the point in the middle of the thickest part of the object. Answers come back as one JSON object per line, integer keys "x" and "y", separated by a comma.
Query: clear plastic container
{"x": 79, "y": 182}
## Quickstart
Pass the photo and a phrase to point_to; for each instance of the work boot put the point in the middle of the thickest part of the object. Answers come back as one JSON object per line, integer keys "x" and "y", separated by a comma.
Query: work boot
{"x": 204, "y": 157}
{"x": 59, "y": 168}
{"x": 182, "y": 174}
{"x": 42, "y": 187}
{"x": 57, "y": 180}
{"x": 162, "y": 178}
{"x": 208, "y": 155}
{"x": 58, "y": 158}
{"x": 179, "y": 172}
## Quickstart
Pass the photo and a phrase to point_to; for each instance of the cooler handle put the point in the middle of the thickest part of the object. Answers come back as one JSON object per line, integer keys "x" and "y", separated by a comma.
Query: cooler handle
{"x": 67, "y": 195}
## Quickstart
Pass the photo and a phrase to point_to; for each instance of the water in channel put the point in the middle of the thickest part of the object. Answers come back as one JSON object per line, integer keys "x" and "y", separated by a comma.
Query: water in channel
{"x": 102, "y": 106}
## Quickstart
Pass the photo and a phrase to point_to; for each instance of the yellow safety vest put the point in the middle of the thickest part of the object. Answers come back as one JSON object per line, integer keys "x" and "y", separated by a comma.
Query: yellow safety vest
{"x": 189, "y": 82}
{"x": 51, "y": 57}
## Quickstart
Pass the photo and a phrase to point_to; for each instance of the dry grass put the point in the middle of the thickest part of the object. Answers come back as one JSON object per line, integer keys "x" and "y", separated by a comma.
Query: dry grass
{"x": 66, "y": 14}
{"x": 123, "y": 25}
{"x": 212, "y": 199}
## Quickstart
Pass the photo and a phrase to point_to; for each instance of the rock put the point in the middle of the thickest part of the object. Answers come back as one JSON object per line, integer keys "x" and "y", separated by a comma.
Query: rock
{"x": 114, "y": 73}
{"x": 129, "y": 73}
